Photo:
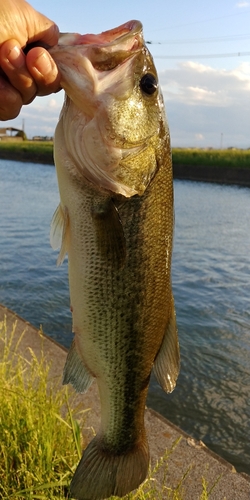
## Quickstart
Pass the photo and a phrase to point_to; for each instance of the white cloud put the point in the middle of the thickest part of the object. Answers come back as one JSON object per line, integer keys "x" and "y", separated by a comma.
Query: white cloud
{"x": 242, "y": 4}
{"x": 53, "y": 104}
{"x": 40, "y": 117}
{"x": 203, "y": 102}
{"x": 199, "y": 137}
{"x": 199, "y": 94}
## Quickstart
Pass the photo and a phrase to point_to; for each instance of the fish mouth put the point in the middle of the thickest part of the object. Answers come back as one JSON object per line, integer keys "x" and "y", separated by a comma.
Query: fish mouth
{"x": 110, "y": 48}
{"x": 98, "y": 73}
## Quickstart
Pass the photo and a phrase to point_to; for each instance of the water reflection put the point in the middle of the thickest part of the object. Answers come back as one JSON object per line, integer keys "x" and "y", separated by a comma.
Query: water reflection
{"x": 211, "y": 283}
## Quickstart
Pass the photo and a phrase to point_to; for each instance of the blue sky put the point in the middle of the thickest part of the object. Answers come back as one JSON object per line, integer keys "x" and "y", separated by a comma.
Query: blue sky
{"x": 207, "y": 97}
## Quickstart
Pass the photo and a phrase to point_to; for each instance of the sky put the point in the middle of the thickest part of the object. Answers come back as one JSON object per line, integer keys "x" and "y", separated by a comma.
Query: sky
{"x": 202, "y": 54}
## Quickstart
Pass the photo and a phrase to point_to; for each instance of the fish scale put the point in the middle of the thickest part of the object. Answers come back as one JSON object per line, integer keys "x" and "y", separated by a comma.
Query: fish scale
{"x": 115, "y": 221}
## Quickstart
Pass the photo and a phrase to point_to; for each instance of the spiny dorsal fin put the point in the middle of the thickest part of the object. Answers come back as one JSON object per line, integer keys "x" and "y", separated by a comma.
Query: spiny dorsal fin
{"x": 167, "y": 362}
{"x": 59, "y": 232}
{"x": 75, "y": 371}
{"x": 109, "y": 231}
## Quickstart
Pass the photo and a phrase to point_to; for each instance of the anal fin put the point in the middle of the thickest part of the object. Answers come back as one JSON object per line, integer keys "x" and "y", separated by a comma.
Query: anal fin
{"x": 75, "y": 371}
{"x": 167, "y": 362}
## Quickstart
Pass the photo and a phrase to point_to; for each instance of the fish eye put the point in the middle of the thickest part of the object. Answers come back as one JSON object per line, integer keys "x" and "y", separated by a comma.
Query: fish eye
{"x": 148, "y": 84}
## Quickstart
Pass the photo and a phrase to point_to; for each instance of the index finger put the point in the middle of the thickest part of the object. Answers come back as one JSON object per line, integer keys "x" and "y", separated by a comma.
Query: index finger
{"x": 22, "y": 22}
{"x": 47, "y": 34}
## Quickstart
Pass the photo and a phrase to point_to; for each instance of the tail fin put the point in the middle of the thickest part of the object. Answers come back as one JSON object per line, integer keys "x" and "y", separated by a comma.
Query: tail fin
{"x": 101, "y": 474}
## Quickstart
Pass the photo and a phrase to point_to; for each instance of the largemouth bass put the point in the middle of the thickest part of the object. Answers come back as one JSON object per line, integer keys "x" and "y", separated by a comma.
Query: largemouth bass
{"x": 115, "y": 221}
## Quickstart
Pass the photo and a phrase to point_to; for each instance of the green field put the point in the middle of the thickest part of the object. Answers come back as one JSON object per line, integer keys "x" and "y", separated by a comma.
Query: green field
{"x": 237, "y": 158}
{"x": 33, "y": 151}
{"x": 27, "y": 146}
{"x": 42, "y": 152}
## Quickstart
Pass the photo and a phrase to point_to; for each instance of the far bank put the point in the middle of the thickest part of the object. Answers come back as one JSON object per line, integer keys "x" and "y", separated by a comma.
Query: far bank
{"x": 231, "y": 166}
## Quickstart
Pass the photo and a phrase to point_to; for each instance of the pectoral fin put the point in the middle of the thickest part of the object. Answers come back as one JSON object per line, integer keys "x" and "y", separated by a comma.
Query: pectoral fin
{"x": 75, "y": 371}
{"x": 59, "y": 230}
{"x": 109, "y": 232}
{"x": 167, "y": 362}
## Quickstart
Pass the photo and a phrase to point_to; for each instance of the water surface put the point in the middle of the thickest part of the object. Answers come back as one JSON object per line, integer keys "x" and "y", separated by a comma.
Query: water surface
{"x": 211, "y": 283}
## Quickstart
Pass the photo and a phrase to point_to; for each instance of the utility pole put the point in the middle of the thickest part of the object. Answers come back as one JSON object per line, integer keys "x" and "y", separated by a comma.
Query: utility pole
{"x": 221, "y": 140}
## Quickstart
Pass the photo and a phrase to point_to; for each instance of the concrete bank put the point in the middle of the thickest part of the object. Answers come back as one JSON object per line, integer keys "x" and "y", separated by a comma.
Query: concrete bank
{"x": 219, "y": 175}
{"x": 188, "y": 454}
{"x": 199, "y": 173}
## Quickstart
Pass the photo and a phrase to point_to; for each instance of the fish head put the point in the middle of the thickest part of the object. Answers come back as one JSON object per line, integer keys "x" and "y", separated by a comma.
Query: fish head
{"x": 114, "y": 116}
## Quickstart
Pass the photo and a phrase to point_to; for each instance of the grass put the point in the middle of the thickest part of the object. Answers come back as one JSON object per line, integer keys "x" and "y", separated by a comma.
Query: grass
{"x": 33, "y": 151}
{"x": 40, "y": 438}
{"x": 42, "y": 152}
{"x": 236, "y": 158}
{"x": 39, "y": 447}
{"x": 43, "y": 147}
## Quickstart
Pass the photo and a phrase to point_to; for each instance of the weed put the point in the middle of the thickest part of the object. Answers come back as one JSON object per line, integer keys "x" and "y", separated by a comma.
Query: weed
{"x": 40, "y": 438}
{"x": 39, "y": 448}
{"x": 236, "y": 158}
{"x": 42, "y": 152}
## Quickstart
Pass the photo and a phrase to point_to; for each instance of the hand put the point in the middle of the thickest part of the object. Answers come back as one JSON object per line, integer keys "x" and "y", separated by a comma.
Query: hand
{"x": 23, "y": 77}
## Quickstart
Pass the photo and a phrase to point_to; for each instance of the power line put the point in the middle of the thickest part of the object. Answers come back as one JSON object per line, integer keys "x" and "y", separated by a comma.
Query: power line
{"x": 204, "y": 56}
{"x": 200, "y": 40}
{"x": 244, "y": 12}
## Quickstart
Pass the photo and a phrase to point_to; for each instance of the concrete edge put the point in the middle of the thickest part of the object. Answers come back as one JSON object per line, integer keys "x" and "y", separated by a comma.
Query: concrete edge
{"x": 212, "y": 454}
{"x": 195, "y": 453}
{"x": 28, "y": 324}
{"x": 154, "y": 413}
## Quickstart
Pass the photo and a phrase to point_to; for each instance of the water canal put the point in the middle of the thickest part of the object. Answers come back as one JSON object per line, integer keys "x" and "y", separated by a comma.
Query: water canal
{"x": 211, "y": 282}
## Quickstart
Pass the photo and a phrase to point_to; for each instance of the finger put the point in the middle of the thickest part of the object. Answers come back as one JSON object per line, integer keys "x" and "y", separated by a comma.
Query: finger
{"x": 43, "y": 70}
{"x": 12, "y": 62}
{"x": 21, "y": 21}
{"x": 10, "y": 100}
{"x": 40, "y": 27}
